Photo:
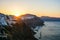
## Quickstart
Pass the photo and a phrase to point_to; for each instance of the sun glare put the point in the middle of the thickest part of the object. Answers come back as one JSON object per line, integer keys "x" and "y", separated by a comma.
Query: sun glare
{"x": 17, "y": 14}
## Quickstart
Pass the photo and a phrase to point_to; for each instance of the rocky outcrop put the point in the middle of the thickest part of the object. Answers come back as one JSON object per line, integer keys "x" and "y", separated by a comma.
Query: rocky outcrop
{"x": 21, "y": 28}
{"x": 32, "y": 21}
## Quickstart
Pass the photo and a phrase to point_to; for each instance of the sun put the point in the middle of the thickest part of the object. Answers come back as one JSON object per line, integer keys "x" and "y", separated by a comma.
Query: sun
{"x": 17, "y": 14}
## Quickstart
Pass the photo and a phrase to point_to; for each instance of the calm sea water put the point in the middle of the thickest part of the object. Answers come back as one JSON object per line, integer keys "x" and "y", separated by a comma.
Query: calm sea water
{"x": 51, "y": 31}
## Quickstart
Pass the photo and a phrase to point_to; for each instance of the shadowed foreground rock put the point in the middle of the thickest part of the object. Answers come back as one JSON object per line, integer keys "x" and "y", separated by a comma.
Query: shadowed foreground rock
{"x": 20, "y": 31}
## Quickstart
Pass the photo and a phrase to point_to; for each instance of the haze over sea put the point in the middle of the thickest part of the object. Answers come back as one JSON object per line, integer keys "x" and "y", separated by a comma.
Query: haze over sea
{"x": 51, "y": 30}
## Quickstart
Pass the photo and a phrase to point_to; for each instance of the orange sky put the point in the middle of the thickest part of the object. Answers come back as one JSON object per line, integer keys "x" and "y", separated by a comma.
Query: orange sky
{"x": 31, "y": 12}
{"x": 36, "y": 7}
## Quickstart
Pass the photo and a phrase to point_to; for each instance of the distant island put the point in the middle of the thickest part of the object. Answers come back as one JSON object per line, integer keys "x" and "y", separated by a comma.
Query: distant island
{"x": 47, "y": 18}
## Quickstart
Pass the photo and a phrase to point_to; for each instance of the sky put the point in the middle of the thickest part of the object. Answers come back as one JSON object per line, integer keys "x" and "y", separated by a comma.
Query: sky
{"x": 36, "y": 7}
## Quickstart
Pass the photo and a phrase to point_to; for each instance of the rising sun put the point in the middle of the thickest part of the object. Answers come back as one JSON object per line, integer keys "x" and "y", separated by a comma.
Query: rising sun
{"x": 17, "y": 14}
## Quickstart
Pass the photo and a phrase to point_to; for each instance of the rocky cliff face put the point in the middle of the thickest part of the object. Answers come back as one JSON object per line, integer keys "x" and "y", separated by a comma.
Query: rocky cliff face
{"x": 32, "y": 21}
{"x": 21, "y": 28}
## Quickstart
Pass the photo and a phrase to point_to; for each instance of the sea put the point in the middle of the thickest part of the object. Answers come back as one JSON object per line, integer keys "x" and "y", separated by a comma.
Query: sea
{"x": 50, "y": 31}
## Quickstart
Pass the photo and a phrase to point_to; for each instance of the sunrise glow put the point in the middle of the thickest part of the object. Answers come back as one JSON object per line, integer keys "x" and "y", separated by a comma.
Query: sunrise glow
{"x": 16, "y": 14}
{"x": 36, "y": 7}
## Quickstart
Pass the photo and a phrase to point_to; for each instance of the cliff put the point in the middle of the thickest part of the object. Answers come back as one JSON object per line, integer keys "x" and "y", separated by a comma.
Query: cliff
{"x": 21, "y": 27}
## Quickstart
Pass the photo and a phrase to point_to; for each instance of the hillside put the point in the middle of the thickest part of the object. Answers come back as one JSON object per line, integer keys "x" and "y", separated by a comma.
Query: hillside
{"x": 19, "y": 28}
{"x": 46, "y": 18}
